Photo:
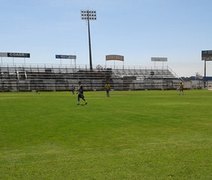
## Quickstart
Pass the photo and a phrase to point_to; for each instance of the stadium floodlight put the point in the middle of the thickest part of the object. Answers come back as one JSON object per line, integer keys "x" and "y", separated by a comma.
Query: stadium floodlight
{"x": 89, "y": 15}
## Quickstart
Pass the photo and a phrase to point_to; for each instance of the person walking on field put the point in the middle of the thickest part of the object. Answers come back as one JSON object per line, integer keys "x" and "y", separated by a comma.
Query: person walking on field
{"x": 80, "y": 94}
{"x": 72, "y": 89}
{"x": 181, "y": 87}
{"x": 107, "y": 89}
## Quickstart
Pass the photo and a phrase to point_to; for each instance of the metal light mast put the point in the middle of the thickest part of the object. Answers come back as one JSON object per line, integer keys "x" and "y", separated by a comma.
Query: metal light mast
{"x": 89, "y": 15}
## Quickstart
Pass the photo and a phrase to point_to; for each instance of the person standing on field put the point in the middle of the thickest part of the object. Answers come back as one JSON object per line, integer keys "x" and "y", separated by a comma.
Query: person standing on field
{"x": 80, "y": 94}
{"x": 181, "y": 88}
{"x": 72, "y": 89}
{"x": 107, "y": 89}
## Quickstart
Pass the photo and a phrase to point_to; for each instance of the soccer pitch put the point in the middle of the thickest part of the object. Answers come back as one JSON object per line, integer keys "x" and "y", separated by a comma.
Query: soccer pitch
{"x": 130, "y": 135}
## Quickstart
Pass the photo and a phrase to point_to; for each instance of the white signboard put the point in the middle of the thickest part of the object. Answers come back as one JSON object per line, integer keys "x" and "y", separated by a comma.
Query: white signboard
{"x": 3, "y": 54}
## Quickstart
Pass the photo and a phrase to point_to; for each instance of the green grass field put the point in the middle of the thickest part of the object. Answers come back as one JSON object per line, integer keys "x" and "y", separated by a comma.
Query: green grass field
{"x": 131, "y": 135}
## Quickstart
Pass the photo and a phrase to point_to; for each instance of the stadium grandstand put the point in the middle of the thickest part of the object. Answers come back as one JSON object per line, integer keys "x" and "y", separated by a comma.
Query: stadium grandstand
{"x": 62, "y": 78}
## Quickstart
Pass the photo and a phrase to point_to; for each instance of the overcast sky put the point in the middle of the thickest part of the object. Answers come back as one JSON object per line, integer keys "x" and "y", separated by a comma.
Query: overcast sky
{"x": 136, "y": 29}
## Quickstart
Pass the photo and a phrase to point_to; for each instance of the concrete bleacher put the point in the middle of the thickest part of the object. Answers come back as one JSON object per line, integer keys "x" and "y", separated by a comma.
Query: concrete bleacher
{"x": 153, "y": 73}
{"x": 63, "y": 78}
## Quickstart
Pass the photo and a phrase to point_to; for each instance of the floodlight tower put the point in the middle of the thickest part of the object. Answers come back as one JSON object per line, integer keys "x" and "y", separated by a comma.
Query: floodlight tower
{"x": 89, "y": 15}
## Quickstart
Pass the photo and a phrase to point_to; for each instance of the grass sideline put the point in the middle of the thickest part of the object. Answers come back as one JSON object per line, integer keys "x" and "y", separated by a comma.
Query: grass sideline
{"x": 131, "y": 135}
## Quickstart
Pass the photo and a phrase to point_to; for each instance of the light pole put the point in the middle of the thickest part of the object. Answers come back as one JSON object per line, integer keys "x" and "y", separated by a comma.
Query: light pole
{"x": 89, "y": 15}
